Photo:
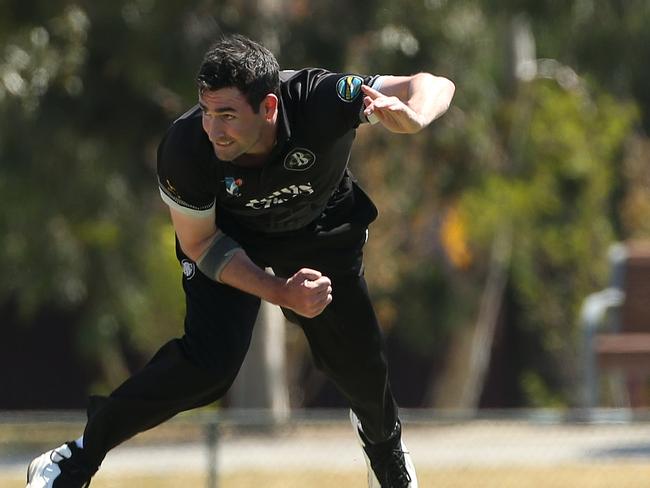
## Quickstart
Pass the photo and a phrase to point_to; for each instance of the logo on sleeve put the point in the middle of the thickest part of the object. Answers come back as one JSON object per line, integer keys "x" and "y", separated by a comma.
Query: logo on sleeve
{"x": 233, "y": 186}
{"x": 189, "y": 268}
{"x": 299, "y": 159}
{"x": 348, "y": 87}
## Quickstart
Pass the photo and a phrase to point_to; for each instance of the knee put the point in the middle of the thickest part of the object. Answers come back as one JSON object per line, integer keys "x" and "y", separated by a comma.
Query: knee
{"x": 362, "y": 379}
{"x": 223, "y": 365}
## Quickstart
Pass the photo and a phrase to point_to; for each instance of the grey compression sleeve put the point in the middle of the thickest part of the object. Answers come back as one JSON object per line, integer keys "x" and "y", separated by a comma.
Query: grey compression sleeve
{"x": 217, "y": 256}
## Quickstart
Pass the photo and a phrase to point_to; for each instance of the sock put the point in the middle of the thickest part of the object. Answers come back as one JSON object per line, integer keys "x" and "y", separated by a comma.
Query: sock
{"x": 80, "y": 442}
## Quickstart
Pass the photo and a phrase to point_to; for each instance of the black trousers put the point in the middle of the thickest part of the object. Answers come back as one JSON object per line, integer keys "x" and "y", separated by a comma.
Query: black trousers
{"x": 198, "y": 368}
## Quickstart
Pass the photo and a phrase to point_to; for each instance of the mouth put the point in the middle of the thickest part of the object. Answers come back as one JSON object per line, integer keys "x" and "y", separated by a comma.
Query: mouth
{"x": 223, "y": 144}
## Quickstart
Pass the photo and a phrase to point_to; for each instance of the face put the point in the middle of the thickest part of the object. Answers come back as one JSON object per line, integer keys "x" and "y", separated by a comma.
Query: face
{"x": 232, "y": 126}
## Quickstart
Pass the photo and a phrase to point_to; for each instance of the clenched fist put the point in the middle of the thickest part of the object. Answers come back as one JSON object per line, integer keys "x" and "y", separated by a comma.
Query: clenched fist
{"x": 307, "y": 292}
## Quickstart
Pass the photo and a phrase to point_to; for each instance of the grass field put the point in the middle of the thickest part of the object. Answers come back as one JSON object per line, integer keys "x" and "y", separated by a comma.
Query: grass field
{"x": 485, "y": 454}
{"x": 579, "y": 476}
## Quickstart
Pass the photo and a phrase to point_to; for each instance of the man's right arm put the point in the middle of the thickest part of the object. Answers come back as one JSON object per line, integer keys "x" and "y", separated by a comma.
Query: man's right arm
{"x": 307, "y": 292}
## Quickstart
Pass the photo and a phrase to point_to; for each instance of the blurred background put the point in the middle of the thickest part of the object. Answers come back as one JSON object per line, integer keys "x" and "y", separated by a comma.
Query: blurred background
{"x": 500, "y": 265}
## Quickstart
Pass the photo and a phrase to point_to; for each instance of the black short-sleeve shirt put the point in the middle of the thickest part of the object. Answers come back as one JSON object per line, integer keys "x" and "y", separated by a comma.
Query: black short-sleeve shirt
{"x": 319, "y": 112}
{"x": 304, "y": 184}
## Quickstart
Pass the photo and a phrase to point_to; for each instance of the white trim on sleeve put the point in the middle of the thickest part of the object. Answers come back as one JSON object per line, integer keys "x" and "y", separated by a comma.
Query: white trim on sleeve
{"x": 378, "y": 83}
{"x": 194, "y": 212}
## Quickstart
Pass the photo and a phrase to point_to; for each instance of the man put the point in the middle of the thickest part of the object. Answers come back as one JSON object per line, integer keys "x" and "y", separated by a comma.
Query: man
{"x": 256, "y": 176}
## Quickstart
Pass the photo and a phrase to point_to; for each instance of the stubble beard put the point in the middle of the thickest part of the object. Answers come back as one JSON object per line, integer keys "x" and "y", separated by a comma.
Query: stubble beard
{"x": 236, "y": 149}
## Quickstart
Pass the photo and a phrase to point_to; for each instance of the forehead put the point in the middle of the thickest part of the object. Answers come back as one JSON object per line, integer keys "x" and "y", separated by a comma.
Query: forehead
{"x": 230, "y": 98}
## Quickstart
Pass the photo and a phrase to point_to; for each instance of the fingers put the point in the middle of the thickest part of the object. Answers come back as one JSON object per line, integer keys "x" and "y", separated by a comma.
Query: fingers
{"x": 394, "y": 114}
{"x": 314, "y": 304}
{"x": 311, "y": 292}
{"x": 308, "y": 274}
{"x": 371, "y": 92}
{"x": 318, "y": 285}
{"x": 312, "y": 279}
{"x": 323, "y": 294}
{"x": 371, "y": 96}
{"x": 382, "y": 104}
{"x": 387, "y": 103}
{"x": 319, "y": 303}
{"x": 375, "y": 99}
{"x": 319, "y": 298}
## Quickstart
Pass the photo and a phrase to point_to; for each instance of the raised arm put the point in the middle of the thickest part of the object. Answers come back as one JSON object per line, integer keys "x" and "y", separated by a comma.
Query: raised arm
{"x": 407, "y": 104}
{"x": 217, "y": 256}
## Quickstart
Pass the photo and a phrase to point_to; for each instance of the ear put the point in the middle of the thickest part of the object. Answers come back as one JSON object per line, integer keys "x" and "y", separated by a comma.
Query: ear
{"x": 270, "y": 106}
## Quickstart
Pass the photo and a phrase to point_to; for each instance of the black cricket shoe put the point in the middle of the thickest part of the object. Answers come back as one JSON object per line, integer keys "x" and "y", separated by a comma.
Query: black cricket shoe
{"x": 389, "y": 462}
{"x": 62, "y": 467}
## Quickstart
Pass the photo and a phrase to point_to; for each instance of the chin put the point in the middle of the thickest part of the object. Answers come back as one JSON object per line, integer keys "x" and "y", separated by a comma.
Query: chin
{"x": 226, "y": 155}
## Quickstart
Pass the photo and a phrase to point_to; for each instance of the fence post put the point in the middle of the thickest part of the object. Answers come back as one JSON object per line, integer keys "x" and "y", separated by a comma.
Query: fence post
{"x": 212, "y": 439}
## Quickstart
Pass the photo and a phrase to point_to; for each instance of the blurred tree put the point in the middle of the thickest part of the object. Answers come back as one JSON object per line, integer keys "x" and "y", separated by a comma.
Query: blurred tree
{"x": 558, "y": 199}
{"x": 88, "y": 88}
{"x": 85, "y": 100}
{"x": 423, "y": 289}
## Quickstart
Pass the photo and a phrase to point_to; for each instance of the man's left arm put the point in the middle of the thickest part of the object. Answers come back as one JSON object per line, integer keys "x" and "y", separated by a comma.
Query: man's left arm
{"x": 407, "y": 104}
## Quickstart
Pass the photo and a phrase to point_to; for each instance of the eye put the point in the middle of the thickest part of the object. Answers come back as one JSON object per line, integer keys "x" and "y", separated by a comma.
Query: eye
{"x": 228, "y": 117}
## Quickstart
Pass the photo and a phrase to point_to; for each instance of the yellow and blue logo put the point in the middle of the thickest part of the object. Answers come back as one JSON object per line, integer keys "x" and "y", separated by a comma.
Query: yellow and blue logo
{"x": 348, "y": 87}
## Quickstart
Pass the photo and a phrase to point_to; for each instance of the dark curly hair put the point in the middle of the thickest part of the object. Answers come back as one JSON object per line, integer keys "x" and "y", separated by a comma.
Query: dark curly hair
{"x": 236, "y": 61}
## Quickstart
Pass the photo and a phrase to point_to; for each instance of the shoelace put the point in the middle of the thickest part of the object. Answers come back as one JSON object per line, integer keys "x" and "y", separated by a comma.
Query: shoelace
{"x": 390, "y": 468}
{"x": 397, "y": 474}
{"x": 72, "y": 468}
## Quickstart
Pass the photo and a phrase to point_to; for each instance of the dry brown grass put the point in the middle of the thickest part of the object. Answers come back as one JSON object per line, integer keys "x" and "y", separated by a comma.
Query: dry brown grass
{"x": 577, "y": 476}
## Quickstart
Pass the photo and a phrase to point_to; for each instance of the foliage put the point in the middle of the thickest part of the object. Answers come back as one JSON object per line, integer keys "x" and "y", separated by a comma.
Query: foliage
{"x": 557, "y": 195}
{"x": 81, "y": 117}
{"x": 88, "y": 88}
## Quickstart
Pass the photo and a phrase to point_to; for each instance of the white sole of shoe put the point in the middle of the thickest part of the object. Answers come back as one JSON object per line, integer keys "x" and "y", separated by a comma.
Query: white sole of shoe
{"x": 372, "y": 479}
{"x": 39, "y": 465}
{"x": 410, "y": 467}
{"x": 30, "y": 472}
{"x": 32, "y": 469}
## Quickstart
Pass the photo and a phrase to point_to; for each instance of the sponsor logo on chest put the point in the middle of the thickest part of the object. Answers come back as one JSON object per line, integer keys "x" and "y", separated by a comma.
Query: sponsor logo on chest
{"x": 281, "y": 196}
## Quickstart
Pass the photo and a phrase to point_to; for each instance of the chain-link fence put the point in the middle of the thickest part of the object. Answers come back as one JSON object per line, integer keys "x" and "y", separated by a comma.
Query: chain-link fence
{"x": 238, "y": 449}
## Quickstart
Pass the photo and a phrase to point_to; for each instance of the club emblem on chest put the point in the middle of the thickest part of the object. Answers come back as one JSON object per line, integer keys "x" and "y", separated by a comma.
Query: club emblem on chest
{"x": 299, "y": 159}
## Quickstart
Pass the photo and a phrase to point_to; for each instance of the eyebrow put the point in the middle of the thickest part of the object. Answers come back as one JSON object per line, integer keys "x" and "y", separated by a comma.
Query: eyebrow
{"x": 205, "y": 108}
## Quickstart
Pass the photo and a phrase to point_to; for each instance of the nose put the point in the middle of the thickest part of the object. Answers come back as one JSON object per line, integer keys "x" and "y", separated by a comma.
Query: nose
{"x": 214, "y": 128}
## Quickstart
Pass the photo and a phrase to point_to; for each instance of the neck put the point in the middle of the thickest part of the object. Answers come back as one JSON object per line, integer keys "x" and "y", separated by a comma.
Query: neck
{"x": 269, "y": 138}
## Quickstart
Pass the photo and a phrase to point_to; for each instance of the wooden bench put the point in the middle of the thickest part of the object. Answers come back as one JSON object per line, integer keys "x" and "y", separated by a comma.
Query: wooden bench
{"x": 616, "y": 323}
